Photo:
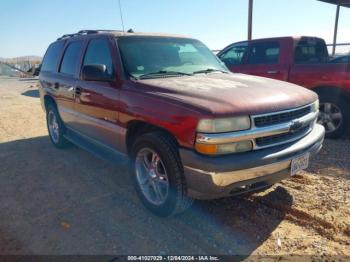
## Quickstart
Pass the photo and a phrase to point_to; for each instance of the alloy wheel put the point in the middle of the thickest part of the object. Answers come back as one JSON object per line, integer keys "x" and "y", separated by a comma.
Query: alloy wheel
{"x": 330, "y": 117}
{"x": 53, "y": 126}
{"x": 151, "y": 176}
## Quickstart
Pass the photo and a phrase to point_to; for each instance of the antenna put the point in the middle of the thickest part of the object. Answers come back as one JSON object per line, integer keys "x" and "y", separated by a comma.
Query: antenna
{"x": 121, "y": 15}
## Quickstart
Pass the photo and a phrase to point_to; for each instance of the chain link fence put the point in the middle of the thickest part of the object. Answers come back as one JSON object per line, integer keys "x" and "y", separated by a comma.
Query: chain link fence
{"x": 19, "y": 67}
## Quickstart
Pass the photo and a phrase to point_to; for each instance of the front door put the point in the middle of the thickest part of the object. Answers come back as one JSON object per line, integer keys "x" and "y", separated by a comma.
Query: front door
{"x": 97, "y": 102}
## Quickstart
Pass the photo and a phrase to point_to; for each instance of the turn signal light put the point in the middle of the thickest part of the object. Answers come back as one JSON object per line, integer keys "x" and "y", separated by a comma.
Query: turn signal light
{"x": 230, "y": 148}
{"x": 206, "y": 149}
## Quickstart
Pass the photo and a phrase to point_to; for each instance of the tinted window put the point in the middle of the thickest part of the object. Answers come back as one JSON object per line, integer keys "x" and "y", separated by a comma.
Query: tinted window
{"x": 71, "y": 58}
{"x": 234, "y": 55}
{"x": 51, "y": 57}
{"x": 98, "y": 53}
{"x": 311, "y": 51}
{"x": 264, "y": 53}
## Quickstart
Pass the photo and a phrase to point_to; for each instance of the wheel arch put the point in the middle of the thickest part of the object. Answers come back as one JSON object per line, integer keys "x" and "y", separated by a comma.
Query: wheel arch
{"x": 49, "y": 100}
{"x": 138, "y": 128}
{"x": 332, "y": 90}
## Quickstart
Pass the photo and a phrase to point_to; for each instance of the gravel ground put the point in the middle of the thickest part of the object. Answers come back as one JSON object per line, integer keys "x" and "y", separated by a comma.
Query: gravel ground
{"x": 69, "y": 202}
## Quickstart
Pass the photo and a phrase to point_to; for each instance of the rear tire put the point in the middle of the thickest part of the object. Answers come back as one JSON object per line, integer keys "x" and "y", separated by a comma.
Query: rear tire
{"x": 334, "y": 114}
{"x": 55, "y": 127}
{"x": 155, "y": 158}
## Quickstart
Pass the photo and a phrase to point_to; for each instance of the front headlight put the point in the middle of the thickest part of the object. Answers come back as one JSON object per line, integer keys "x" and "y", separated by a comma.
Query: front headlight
{"x": 315, "y": 106}
{"x": 222, "y": 125}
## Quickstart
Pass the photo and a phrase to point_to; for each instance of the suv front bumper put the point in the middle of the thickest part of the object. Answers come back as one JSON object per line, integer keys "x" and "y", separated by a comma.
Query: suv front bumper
{"x": 215, "y": 177}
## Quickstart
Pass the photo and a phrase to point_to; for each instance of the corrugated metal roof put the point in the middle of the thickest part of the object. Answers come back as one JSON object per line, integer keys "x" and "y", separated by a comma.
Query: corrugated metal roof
{"x": 345, "y": 3}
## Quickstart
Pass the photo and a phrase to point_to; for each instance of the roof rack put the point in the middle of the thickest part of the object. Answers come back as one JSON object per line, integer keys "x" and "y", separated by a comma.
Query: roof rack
{"x": 87, "y": 32}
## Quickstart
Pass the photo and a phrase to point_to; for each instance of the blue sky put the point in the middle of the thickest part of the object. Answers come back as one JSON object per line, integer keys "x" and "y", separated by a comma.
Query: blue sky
{"x": 28, "y": 26}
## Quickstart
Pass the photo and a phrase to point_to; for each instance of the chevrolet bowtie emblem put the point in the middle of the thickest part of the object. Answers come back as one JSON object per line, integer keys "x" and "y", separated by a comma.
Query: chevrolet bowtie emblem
{"x": 295, "y": 126}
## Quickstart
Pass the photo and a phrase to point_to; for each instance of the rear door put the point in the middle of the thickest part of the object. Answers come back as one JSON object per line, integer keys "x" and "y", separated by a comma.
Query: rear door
{"x": 264, "y": 59}
{"x": 66, "y": 81}
{"x": 97, "y": 102}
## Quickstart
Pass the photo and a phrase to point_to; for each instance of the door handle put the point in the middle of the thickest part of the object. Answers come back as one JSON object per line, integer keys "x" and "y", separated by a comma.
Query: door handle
{"x": 78, "y": 91}
{"x": 272, "y": 72}
{"x": 85, "y": 97}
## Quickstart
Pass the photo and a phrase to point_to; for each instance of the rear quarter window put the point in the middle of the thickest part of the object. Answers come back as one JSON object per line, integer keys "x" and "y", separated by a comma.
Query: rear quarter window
{"x": 52, "y": 57}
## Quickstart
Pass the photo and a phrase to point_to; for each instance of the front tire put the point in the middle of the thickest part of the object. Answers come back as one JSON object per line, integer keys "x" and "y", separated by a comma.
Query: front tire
{"x": 334, "y": 115}
{"x": 158, "y": 175}
{"x": 55, "y": 127}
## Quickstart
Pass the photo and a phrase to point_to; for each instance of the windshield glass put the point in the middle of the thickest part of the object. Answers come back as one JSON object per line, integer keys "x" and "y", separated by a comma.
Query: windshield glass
{"x": 166, "y": 55}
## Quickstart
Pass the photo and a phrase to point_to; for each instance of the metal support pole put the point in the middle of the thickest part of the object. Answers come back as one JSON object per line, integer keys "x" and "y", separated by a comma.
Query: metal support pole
{"x": 250, "y": 19}
{"x": 336, "y": 30}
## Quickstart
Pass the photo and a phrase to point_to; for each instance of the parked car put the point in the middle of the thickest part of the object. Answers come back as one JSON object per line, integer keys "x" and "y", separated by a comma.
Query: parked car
{"x": 191, "y": 129}
{"x": 303, "y": 61}
{"x": 340, "y": 59}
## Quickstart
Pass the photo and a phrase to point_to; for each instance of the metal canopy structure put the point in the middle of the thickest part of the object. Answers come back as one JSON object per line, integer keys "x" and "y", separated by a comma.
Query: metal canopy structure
{"x": 345, "y": 3}
{"x": 338, "y": 3}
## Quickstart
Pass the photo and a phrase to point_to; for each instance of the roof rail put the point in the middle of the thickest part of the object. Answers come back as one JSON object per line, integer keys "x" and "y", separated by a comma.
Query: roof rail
{"x": 87, "y": 32}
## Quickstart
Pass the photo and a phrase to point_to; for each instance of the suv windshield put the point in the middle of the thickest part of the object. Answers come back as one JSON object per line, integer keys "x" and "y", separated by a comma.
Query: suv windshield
{"x": 166, "y": 56}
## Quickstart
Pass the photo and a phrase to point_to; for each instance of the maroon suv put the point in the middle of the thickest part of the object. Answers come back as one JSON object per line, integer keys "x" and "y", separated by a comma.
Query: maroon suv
{"x": 191, "y": 129}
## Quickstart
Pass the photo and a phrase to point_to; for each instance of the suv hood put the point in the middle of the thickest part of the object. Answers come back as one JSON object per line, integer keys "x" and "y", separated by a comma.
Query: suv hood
{"x": 231, "y": 94}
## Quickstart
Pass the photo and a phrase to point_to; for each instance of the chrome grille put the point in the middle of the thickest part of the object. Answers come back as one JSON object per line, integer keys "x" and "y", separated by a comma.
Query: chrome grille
{"x": 281, "y": 138}
{"x": 278, "y": 118}
{"x": 269, "y": 130}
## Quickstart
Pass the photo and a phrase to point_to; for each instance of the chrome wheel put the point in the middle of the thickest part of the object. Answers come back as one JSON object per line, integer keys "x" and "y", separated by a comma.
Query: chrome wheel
{"x": 151, "y": 176}
{"x": 330, "y": 117}
{"x": 53, "y": 127}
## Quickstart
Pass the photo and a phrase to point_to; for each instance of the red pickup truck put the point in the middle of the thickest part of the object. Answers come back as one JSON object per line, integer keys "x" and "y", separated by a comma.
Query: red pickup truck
{"x": 303, "y": 61}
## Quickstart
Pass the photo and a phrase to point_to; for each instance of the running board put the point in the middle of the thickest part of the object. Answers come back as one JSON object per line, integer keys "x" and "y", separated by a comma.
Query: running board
{"x": 95, "y": 148}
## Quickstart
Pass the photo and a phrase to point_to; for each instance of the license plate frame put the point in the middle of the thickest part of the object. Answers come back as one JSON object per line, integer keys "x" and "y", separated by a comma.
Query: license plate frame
{"x": 300, "y": 163}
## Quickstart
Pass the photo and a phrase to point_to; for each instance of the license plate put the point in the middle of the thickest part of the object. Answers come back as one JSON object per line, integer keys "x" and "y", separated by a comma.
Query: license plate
{"x": 299, "y": 164}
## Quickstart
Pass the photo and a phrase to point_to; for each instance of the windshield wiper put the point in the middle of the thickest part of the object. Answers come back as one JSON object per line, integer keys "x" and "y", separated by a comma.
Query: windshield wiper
{"x": 164, "y": 73}
{"x": 209, "y": 70}
{"x": 132, "y": 76}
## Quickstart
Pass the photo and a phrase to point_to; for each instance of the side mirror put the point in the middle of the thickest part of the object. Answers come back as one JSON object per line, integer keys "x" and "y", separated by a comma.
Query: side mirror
{"x": 95, "y": 73}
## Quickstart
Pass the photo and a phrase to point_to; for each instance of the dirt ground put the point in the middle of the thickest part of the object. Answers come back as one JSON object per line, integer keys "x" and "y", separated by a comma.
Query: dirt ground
{"x": 69, "y": 202}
